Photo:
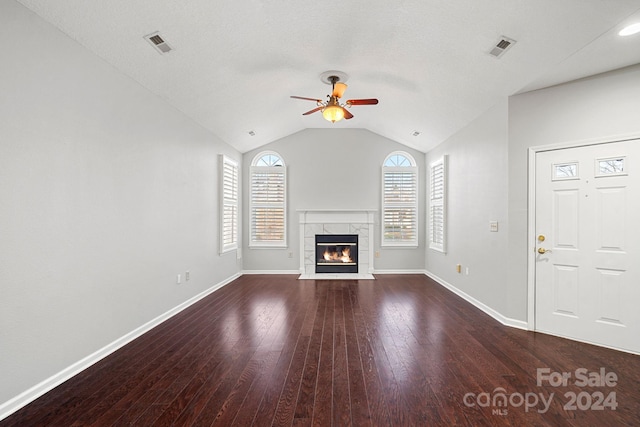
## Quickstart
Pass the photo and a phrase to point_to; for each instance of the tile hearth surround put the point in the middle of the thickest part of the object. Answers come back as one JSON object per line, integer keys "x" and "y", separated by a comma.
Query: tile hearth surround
{"x": 319, "y": 221}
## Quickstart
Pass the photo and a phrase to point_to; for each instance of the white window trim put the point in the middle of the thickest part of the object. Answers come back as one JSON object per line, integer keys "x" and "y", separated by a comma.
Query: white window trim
{"x": 225, "y": 164}
{"x": 254, "y": 244}
{"x": 434, "y": 245}
{"x": 413, "y": 243}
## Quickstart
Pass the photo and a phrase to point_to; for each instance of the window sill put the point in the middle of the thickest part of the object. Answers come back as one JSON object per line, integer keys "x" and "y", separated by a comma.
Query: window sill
{"x": 268, "y": 246}
{"x": 400, "y": 245}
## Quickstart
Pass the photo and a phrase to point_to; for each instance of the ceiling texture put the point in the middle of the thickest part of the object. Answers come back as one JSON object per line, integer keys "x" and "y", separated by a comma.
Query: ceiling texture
{"x": 234, "y": 64}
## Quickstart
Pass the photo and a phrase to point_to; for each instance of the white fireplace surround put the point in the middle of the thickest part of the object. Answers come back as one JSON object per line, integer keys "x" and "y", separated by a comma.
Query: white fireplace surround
{"x": 329, "y": 221}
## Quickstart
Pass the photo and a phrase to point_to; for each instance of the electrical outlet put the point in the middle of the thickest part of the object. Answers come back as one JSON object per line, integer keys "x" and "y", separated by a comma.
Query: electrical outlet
{"x": 466, "y": 271}
{"x": 178, "y": 279}
{"x": 290, "y": 254}
{"x": 187, "y": 276}
{"x": 377, "y": 254}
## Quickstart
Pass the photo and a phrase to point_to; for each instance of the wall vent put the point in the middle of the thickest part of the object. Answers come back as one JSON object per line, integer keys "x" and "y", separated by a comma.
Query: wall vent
{"x": 158, "y": 43}
{"x": 504, "y": 44}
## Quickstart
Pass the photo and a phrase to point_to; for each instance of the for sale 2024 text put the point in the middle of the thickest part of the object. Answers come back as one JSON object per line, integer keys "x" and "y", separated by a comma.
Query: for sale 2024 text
{"x": 582, "y": 377}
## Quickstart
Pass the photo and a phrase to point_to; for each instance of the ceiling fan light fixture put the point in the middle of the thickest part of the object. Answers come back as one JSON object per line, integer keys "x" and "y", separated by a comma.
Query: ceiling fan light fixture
{"x": 332, "y": 110}
{"x": 333, "y": 113}
{"x": 338, "y": 89}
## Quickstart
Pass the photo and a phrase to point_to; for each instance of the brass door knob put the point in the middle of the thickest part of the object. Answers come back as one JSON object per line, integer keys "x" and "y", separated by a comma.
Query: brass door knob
{"x": 543, "y": 251}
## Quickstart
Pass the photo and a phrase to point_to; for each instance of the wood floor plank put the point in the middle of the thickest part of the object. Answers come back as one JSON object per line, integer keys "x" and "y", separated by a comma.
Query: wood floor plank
{"x": 289, "y": 396}
{"x": 376, "y": 398}
{"x": 306, "y": 397}
{"x": 220, "y": 365}
{"x": 233, "y": 401}
{"x": 285, "y": 411}
{"x": 271, "y": 350}
{"x": 285, "y": 341}
{"x": 360, "y": 410}
{"x": 138, "y": 375}
{"x": 169, "y": 364}
{"x": 221, "y": 391}
{"x": 323, "y": 402}
{"x": 207, "y": 358}
{"x": 254, "y": 396}
{"x": 341, "y": 391}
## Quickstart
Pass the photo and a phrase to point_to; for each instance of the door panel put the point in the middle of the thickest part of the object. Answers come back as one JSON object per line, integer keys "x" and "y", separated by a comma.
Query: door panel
{"x": 610, "y": 286}
{"x": 565, "y": 228}
{"x": 565, "y": 290}
{"x": 611, "y": 218}
{"x": 587, "y": 280}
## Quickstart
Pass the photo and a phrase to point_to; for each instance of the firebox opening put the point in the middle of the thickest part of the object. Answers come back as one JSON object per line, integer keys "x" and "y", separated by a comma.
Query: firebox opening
{"x": 336, "y": 253}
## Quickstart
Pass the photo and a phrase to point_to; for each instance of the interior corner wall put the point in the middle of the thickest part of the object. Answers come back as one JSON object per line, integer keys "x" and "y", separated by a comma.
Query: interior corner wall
{"x": 476, "y": 195}
{"x": 333, "y": 169}
{"x": 603, "y": 107}
{"x": 107, "y": 193}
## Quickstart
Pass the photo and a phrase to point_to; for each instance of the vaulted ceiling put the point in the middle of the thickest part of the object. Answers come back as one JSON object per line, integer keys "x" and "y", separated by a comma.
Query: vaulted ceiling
{"x": 234, "y": 64}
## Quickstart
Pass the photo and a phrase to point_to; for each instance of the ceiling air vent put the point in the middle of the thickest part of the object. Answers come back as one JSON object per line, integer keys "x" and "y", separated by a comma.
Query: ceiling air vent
{"x": 502, "y": 46}
{"x": 158, "y": 43}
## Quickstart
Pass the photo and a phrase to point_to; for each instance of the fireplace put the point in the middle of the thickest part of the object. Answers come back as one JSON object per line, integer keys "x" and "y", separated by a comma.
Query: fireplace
{"x": 337, "y": 222}
{"x": 336, "y": 253}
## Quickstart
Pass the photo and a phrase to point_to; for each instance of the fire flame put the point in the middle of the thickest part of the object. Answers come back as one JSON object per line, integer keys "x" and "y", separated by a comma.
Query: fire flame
{"x": 344, "y": 255}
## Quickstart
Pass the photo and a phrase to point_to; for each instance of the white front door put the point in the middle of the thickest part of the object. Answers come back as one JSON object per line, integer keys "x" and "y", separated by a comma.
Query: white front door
{"x": 587, "y": 274}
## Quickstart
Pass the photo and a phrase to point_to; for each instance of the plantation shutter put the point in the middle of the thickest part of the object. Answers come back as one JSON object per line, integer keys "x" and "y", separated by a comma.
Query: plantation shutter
{"x": 437, "y": 185}
{"x": 268, "y": 205}
{"x": 229, "y": 210}
{"x": 400, "y": 206}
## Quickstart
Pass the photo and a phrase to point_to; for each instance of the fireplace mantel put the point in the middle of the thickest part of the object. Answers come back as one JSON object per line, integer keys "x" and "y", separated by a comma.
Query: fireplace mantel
{"x": 336, "y": 221}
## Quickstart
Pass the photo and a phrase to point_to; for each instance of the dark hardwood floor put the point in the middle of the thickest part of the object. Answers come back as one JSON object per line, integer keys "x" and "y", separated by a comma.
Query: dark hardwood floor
{"x": 396, "y": 351}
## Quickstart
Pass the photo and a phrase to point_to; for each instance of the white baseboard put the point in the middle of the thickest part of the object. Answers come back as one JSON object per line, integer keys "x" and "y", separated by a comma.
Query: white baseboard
{"x": 296, "y": 272}
{"x": 28, "y": 396}
{"x": 398, "y": 272}
{"x": 514, "y": 323}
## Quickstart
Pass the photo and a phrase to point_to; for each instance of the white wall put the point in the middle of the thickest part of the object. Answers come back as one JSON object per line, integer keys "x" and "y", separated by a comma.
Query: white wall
{"x": 476, "y": 195}
{"x": 333, "y": 169}
{"x": 601, "y": 107}
{"x": 107, "y": 193}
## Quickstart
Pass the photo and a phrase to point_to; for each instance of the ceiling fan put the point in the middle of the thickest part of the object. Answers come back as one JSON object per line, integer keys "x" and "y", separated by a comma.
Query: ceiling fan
{"x": 332, "y": 109}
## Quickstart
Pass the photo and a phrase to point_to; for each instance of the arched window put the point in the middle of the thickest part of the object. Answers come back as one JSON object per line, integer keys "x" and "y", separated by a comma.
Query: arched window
{"x": 399, "y": 200}
{"x": 267, "y": 202}
{"x": 268, "y": 159}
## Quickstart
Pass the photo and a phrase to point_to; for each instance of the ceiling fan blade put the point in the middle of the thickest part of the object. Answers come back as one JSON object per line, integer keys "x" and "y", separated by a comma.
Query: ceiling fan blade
{"x": 347, "y": 114}
{"x": 371, "y": 101}
{"x": 307, "y": 99}
{"x": 313, "y": 111}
